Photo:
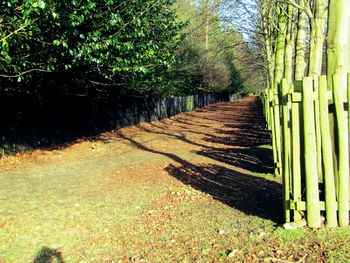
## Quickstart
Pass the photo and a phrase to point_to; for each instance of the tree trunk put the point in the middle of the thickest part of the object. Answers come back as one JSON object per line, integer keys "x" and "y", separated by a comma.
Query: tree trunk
{"x": 338, "y": 38}
{"x": 318, "y": 27}
{"x": 206, "y": 24}
{"x": 300, "y": 49}
{"x": 269, "y": 58}
{"x": 280, "y": 46}
{"x": 290, "y": 44}
{"x": 338, "y": 54}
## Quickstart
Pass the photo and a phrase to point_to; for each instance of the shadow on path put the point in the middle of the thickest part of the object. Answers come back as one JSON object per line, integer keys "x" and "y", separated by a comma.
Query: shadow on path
{"x": 250, "y": 194}
{"x": 255, "y": 159}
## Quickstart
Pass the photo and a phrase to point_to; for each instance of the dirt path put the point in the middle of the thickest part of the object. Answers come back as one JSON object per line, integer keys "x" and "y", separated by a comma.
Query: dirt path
{"x": 195, "y": 187}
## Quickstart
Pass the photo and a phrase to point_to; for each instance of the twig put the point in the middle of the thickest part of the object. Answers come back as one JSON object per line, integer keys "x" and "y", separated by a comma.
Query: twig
{"x": 23, "y": 73}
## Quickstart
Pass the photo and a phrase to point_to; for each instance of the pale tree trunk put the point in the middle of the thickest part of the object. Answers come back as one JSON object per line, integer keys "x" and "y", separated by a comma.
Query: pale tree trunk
{"x": 206, "y": 24}
{"x": 280, "y": 46}
{"x": 288, "y": 59}
{"x": 317, "y": 41}
{"x": 271, "y": 66}
{"x": 269, "y": 56}
{"x": 290, "y": 43}
{"x": 279, "y": 69}
{"x": 318, "y": 27}
{"x": 338, "y": 38}
{"x": 268, "y": 30}
{"x": 338, "y": 54}
{"x": 301, "y": 45}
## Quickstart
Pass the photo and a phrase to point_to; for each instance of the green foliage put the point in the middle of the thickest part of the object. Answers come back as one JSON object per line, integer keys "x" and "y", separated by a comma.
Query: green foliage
{"x": 105, "y": 41}
{"x": 133, "y": 46}
{"x": 204, "y": 68}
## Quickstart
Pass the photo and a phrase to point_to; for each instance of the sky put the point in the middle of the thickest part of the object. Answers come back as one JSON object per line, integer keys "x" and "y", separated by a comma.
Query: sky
{"x": 240, "y": 14}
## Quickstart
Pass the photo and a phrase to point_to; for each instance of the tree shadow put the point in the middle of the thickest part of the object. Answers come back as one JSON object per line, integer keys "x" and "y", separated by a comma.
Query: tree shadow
{"x": 48, "y": 255}
{"x": 254, "y": 159}
{"x": 244, "y": 128}
{"x": 239, "y": 130}
{"x": 192, "y": 122}
{"x": 142, "y": 147}
{"x": 249, "y": 194}
{"x": 242, "y": 138}
{"x": 162, "y": 131}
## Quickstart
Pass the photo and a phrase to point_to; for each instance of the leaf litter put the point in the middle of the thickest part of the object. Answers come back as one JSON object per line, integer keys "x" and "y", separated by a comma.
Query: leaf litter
{"x": 196, "y": 187}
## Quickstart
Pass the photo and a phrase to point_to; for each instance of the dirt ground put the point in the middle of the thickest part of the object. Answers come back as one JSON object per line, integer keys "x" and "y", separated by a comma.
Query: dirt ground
{"x": 196, "y": 187}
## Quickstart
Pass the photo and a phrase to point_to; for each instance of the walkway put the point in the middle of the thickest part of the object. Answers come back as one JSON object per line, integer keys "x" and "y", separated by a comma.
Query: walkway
{"x": 182, "y": 188}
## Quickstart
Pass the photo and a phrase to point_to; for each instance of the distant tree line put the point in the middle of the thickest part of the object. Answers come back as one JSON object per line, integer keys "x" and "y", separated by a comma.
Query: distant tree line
{"x": 214, "y": 54}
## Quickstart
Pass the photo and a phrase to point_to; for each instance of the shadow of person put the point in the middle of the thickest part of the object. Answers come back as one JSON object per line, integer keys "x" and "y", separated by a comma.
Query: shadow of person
{"x": 48, "y": 255}
{"x": 249, "y": 194}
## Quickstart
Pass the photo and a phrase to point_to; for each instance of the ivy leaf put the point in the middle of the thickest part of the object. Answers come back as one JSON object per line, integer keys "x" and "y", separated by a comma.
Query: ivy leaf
{"x": 56, "y": 42}
{"x": 41, "y": 4}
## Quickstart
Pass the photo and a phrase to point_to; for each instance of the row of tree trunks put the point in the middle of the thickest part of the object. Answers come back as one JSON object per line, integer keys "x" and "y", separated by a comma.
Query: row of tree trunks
{"x": 287, "y": 25}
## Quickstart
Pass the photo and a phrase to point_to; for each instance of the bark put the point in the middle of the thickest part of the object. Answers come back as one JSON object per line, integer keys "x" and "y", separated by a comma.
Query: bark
{"x": 338, "y": 55}
{"x": 269, "y": 57}
{"x": 317, "y": 40}
{"x": 300, "y": 48}
{"x": 280, "y": 46}
{"x": 290, "y": 44}
{"x": 338, "y": 38}
{"x": 206, "y": 24}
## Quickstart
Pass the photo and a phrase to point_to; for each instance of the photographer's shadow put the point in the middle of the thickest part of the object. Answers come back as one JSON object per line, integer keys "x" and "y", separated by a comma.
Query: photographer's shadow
{"x": 48, "y": 255}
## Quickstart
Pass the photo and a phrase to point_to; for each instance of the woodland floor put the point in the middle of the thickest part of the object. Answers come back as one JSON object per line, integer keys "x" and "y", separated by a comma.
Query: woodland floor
{"x": 196, "y": 187}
